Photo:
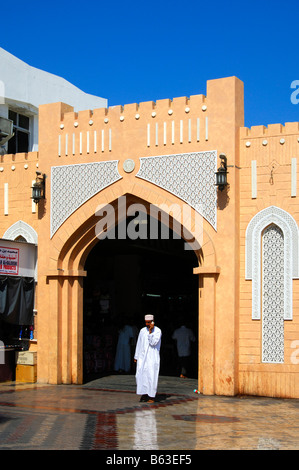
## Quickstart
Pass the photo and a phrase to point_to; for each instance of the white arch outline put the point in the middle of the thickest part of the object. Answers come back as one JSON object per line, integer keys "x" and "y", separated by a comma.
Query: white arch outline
{"x": 22, "y": 229}
{"x": 289, "y": 227}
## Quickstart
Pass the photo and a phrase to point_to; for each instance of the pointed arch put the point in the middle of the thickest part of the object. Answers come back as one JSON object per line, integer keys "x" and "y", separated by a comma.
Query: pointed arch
{"x": 65, "y": 281}
{"x": 21, "y": 229}
{"x": 289, "y": 227}
{"x": 75, "y": 251}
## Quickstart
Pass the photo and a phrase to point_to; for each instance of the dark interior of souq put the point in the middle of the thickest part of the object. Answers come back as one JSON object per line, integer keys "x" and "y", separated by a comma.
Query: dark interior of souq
{"x": 127, "y": 279}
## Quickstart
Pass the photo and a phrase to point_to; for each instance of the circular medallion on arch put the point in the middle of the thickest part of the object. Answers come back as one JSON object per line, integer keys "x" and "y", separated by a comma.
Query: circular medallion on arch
{"x": 129, "y": 165}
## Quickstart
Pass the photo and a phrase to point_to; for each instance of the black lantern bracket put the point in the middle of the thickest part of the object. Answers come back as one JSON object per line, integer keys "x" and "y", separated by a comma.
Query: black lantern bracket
{"x": 221, "y": 174}
{"x": 38, "y": 188}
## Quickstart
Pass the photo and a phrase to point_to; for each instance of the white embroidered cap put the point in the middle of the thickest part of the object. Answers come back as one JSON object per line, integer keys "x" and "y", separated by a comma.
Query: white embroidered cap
{"x": 149, "y": 317}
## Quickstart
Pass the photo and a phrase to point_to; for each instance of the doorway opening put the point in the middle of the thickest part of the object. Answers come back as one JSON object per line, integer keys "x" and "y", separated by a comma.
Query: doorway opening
{"x": 127, "y": 279}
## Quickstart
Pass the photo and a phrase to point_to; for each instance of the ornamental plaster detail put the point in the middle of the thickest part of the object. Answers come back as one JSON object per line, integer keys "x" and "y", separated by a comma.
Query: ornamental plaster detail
{"x": 189, "y": 176}
{"x": 289, "y": 228}
{"x": 21, "y": 229}
{"x": 73, "y": 185}
{"x": 273, "y": 295}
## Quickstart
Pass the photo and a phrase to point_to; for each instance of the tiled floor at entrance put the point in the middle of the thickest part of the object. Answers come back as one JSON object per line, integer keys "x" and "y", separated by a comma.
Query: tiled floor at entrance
{"x": 107, "y": 415}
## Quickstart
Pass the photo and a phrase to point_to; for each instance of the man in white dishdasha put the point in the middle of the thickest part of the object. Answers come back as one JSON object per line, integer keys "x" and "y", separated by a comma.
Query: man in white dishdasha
{"x": 147, "y": 356}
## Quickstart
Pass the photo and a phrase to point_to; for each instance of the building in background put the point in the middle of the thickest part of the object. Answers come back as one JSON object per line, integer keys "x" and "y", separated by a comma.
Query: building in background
{"x": 23, "y": 89}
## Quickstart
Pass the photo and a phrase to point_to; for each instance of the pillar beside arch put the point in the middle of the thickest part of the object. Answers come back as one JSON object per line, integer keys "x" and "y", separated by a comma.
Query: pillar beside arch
{"x": 208, "y": 273}
{"x": 60, "y": 358}
{"x": 207, "y": 278}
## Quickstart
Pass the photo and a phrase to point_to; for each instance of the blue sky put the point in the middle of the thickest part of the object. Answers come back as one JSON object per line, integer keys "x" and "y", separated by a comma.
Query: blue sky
{"x": 134, "y": 51}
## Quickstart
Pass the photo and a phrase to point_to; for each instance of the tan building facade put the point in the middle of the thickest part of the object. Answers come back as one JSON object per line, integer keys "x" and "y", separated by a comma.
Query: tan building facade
{"x": 164, "y": 155}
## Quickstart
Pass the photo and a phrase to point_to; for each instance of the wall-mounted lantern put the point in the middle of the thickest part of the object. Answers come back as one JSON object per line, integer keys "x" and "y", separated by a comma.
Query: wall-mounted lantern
{"x": 38, "y": 188}
{"x": 221, "y": 174}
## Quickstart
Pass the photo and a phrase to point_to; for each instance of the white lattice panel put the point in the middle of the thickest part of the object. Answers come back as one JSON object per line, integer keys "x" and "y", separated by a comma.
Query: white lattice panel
{"x": 189, "y": 176}
{"x": 72, "y": 185}
{"x": 273, "y": 295}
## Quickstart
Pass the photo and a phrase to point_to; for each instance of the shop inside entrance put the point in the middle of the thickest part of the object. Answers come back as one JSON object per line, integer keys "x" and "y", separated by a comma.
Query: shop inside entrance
{"x": 127, "y": 279}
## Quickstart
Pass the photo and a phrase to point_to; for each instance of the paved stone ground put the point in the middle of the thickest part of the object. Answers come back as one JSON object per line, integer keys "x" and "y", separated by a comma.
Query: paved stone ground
{"x": 106, "y": 415}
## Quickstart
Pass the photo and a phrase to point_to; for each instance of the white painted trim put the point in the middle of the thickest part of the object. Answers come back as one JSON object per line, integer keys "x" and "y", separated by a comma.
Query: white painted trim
{"x": 103, "y": 140}
{"x": 172, "y": 132}
{"x": 66, "y": 145}
{"x": 87, "y": 142}
{"x": 74, "y": 147}
{"x": 95, "y": 141}
{"x": 5, "y": 198}
{"x": 110, "y": 140}
{"x": 21, "y": 229}
{"x": 165, "y": 133}
{"x": 253, "y": 180}
{"x": 148, "y": 135}
{"x": 207, "y": 128}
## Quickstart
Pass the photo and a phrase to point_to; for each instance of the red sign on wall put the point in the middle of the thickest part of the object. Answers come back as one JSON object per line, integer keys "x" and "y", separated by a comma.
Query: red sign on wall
{"x": 9, "y": 260}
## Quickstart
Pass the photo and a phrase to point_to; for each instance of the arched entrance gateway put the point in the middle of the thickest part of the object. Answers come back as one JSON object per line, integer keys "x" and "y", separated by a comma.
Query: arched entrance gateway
{"x": 105, "y": 166}
{"x": 139, "y": 265}
{"x": 164, "y": 263}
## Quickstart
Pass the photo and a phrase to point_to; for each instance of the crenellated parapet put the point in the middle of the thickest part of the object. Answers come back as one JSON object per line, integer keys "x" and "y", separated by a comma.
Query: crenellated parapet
{"x": 17, "y": 174}
{"x": 10, "y": 160}
{"x": 265, "y": 144}
{"x": 161, "y": 124}
{"x": 200, "y": 122}
{"x": 271, "y": 130}
{"x": 19, "y": 166}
